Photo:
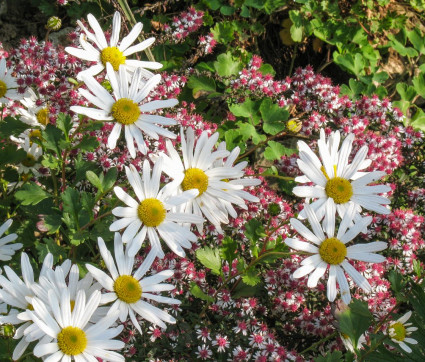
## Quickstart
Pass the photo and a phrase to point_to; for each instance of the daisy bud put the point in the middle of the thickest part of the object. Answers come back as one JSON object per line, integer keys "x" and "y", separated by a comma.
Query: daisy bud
{"x": 54, "y": 23}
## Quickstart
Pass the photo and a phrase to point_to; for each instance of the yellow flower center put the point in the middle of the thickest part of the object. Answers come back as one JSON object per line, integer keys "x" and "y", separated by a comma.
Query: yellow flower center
{"x": 72, "y": 341}
{"x": 128, "y": 289}
{"x": 125, "y": 111}
{"x": 34, "y": 134}
{"x": 3, "y": 89}
{"x": 151, "y": 212}
{"x": 398, "y": 331}
{"x": 43, "y": 116}
{"x": 30, "y": 307}
{"x": 112, "y": 55}
{"x": 332, "y": 251}
{"x": 29, "y": 161}
{"x": 195, "y": 178}
{"x": 294, "y": 126}
{"x": 339, "y": 189}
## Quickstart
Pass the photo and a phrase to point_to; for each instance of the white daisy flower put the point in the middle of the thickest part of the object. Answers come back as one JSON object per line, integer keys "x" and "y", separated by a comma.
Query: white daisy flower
{"x": 8, "y": 85}
{"x": 123, "y": 107}
{"x": 128, "y": 288}
{"x": 336, "y": 180}
{"x": 8, "y": 250}
{"x": 399, "y": 333}
{"x": 154, "y": 213}
{"x": 34, "y": 152}
{"x": 65, "y": 277}
{"x": 13, "y": 292}
{"x": 32, "y": 114}
{"x": 112, "y": 53}
{"x": 69, "y": 335}
{"x": 219, "y": 182}
{"x": 331, "y": 251}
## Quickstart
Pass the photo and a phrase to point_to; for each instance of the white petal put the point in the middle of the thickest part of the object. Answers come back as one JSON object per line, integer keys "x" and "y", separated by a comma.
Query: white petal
{"x": 301, "y": 245}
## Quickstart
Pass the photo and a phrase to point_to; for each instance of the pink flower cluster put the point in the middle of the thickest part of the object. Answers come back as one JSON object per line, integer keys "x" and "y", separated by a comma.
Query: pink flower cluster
{"x": 46, "y": 68}
{"x": 405, "y": 233}
{"x": 207, "y": 43}
{"x": 253, "y": 80}
{"x": 186, "y": 23}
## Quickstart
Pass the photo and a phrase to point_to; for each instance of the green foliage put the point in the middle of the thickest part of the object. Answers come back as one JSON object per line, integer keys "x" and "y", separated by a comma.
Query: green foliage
{"x": 273, "y": 116}
{"x": 228, "y": 249}
{"x": 335, "y": 356}
{"x": 250, "y": 277}
{"x": 210, "y": 258}
{"x": 201, "y": 85}
{"x": 355, "y": 320}
{"x": 276, "y": 150}
{"x": 31, "y": 194}
{"x": 198, "y": 293}
{"x": 226, "y": 65}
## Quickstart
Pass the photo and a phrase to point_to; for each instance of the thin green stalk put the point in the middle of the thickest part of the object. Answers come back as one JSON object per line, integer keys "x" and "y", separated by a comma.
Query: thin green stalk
{"x": 318, "y": 343}
{"x": 130, "y": 17}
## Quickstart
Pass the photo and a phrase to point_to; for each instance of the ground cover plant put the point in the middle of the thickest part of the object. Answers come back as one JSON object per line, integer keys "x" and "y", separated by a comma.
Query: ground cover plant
{"x": 213, "y": 180}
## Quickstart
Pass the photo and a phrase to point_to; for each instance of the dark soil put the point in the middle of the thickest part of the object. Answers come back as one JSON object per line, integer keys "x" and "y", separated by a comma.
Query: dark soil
{"x": 18, "y": 19}
{"x": 274, "y": 52}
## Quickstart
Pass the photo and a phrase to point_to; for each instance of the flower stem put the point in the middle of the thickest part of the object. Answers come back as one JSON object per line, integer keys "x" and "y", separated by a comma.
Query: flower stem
{"x": 130, "y": 17}
{"x": 318, "y": 343}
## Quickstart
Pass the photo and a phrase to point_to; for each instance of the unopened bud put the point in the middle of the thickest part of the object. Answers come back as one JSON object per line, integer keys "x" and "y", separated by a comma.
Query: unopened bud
{"x": 54, "y": 23}
{"x": 294, "y": 125}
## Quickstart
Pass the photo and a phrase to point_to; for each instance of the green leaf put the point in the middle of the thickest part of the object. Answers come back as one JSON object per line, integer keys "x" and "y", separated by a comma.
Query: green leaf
{"x": 257, "y": 4}
{"x": 418, "y": 119}
{"x": 234, "y": 138}
{"x": 254, "y": 230}
{"x": 244, "y": 290}
{"x": 297, "y": 28}
{"x": 11, "y": 155}
{"x": 11, "y": 127}
{"x": 276, "y": 150}
{"x": 248, "y": 109}
{"x": 52, "y": 136}
{"x": 70, "y": 200}
{"x": 223, "y": 32}
{"x": 64, "y": 123}
{"x": 354, "y": 65}
{"x": 250, "y": 277}
{"x": 94, "y": 180}
{"x": 271, "y": 5}
{"x": 227, "y": 10}
{"x": 396, "y": 280}
{"x": 110, "y": 178}
{"x": 245, "y": 13}
{"x": 406, "y": 92}
{"x": 88, "y": 144}
{"x": 31, "y": 194}
{"x": 267, "y": 69}
{"x": 401, "y": 49}
{"x": 53, "y": 222}
{"x": 205, "y": 66}
{"x": 355, "y": 320}
{"x": 226, "y": 65}
{"x": 273, "y": 116}
{"x": 214, "y": 4}
{"x": 417, "y": 39}
{"x": 198, "y": 293}
{"x": 228, "y": 249}
{"x": 201, "y": 85}
{"x": 335, "y": 356}
{"x": 50, "y": 246}
{"x": 50, "y": 161}
{"x": 419, "y": 84}
{"x": 210, "y": 258}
